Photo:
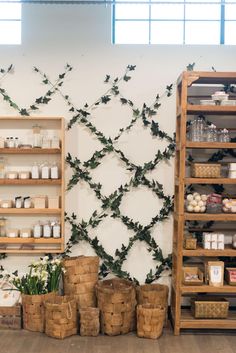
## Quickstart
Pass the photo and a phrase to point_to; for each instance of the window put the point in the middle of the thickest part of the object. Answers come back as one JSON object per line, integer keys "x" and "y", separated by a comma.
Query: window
{"x": 10, "y": 23}
{"x": 175, "y": 22}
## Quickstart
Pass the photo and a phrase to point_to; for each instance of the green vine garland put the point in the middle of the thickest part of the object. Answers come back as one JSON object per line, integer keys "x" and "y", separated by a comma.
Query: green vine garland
{"x": 110, "y": 205}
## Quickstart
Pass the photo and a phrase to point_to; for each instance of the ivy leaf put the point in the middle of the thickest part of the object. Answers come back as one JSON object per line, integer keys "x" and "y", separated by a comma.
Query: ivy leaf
{"x": 190, "y": 67}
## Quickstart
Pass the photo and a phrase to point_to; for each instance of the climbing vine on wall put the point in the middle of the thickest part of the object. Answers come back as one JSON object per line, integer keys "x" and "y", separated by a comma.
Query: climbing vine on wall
{"x": 110, "y": 205}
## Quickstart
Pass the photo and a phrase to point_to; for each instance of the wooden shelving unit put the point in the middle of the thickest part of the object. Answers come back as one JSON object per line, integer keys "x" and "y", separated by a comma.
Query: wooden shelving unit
{"x": 33, "y": 245}
{"x": 182, "y": 318}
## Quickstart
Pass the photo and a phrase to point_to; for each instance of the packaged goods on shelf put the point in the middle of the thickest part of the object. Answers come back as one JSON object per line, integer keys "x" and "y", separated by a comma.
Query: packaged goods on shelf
{"x": 6, "y": 204}
{"x": 25, "y": 233}
{"x": 215, "y": 271}
{"x": 192, "y": 276}
{"x": 196, "y": 203}
{"x": 12, "y": 233}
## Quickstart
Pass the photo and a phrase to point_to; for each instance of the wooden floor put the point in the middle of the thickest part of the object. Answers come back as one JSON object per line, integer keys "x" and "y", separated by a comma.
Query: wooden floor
{"x": 27, "y": 342}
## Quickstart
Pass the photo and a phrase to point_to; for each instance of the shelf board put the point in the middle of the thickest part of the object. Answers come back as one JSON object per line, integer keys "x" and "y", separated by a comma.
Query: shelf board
{"x": 208, "y": 289}
{"x": 6, "y": 240}
{"x": 32, "y": 251}
{"x": 212, "y": 145}
{"x": 208, "y": 77}
{"x": 210, "y": 181}
{"x": 228, "y": 251}
{"x": 210, "y": 216}
{"x": 188, "y": 321}
{"x": 30, "y": 181}
{"x": 29, "y": 211}
{"x": 30, "y": 150}
{"x": 211, "y": 109}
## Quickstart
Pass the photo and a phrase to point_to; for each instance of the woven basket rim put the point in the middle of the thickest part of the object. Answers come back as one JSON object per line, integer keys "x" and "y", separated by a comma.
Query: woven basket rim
{"x": 114, "y": 285}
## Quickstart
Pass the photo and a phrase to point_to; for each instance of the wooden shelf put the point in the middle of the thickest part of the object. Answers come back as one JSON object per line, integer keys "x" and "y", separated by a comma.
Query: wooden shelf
{"x": 188, "y": 321}
{"x": 207, "y": 289}
{"x": 211, "y": 109}
{"x": 6, "y": 240}
{"x": 211, "y": 145}
{"x": 30, "y": 181}
{"x": 228, "y": 251}
{"x": 32, "y": 251}
{"x": 30, "y": 150}
{"x": 210, "y": 181}
{"x": 210, "y": 217}
{"x": 207, "y": 77}
{"x": 29, "y": 211}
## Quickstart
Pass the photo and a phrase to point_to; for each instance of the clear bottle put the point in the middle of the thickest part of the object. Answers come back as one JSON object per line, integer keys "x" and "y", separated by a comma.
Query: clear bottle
{"x": 211, "y": 134}
{"x": 224, "y": 136}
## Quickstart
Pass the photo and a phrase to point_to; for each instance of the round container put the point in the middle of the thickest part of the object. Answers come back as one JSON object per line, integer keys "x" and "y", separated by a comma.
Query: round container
{"x": 37, "y": 231}
{"x": 47, "y": 230}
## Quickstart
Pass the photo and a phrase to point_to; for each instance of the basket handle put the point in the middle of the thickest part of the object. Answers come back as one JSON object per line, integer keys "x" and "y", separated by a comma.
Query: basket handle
{"x": 69, "y": 312}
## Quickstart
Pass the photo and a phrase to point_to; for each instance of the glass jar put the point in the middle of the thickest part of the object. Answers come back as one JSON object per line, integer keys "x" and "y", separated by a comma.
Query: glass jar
{"x": 224, "y": 136}
{"x": 47, "y": 230}
{"x": 37, "y": 230}
{"x": 55, "y": 143}
{"x": 56, "y": 230}
{"x": 197, "y": 129}
{"x": 37, "y": 137}
{"x": 45, "y": 171}
{"x": 16, "y": 142}
{"x": 35, "y": 171}
{"x": 54, "y": 171}
{"x": 2, "y": 167}
{"x": 211, "y": 134}
{"x": 3, "y": 226}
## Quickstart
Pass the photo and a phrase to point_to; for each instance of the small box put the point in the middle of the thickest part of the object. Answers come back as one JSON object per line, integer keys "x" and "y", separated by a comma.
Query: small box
{"x": 24, "y": 175}
{"x": 53, "y": 202}
{"x": 214, "y": 245}
{"x": 192, "y": 276}
{"x": 40, "y": 201}
{"x": 25, "y": 233}
{"x": 230, "y": 274}
{"x": 207, "y": 245}
{"x": 6, "y": 204}
{"x": 12, "y": 233}
{"x": 11, "y": 175}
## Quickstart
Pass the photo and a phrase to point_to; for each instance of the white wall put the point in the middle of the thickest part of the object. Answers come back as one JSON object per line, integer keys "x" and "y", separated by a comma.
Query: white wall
{"x": 81, "y": 35}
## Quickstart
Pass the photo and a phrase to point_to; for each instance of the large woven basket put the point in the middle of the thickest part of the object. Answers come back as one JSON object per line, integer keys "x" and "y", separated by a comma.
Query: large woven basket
{"x": 61, "y": 317}
{"x": 206, "y": 170}
{"x": 155, "y": 294}
{"x": 117, "y": 303}
{"x": 209, "y": 308}
{"x": 89, "y": 322}
{"x": 34, "y": 311}
{"x": 150, "y": 320}
{"x": 80, "y": 278}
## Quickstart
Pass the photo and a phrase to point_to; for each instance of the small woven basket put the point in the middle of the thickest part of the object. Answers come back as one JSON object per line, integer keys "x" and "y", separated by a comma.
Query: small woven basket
{"x": 205, "y": 170}
{"x": 150, "y": 320}
{"x": 80, "y": 278}
{"x": 117, "y": 303}
{"x": 61, "y": 317}
{"x": 34, "y": 311}
{"x": 209, "y": 308}
{"x": 89, "y": 322}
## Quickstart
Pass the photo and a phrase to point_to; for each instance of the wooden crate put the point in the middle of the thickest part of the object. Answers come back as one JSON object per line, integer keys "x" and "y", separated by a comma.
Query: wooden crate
{"x": 10, "y": 317}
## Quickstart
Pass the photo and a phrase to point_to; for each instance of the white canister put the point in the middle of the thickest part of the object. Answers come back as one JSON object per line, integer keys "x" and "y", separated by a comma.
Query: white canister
{"x": 27, "y": 202}
{"x": 47, "y": 230}
{"x": 45, "y": 171}
{"x": 37, "y": 230}
{"x": 18, "y": 202}
{"x": 54, "y": 172}
{"x": 11, "y": 143}
{"x": 35, "y": 171}
{"x": 56, "y": 230}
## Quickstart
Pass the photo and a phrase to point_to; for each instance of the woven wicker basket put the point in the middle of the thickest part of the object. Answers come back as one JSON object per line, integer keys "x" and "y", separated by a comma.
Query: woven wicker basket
{"x": 34, "y": 311}
{"x": 80, "y": 278}
{"x": 61, "y": 317}
{"x": 205, "y": 170}
{"x": 89, "y": 322}
{"x": 150, "y": 320}
{"x": 209, "y": 308}
{"x": 117, "y": 303}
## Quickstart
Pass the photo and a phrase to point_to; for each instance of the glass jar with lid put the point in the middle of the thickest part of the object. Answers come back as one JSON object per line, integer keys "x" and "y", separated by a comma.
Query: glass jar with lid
{"x": 37, "y": 136}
